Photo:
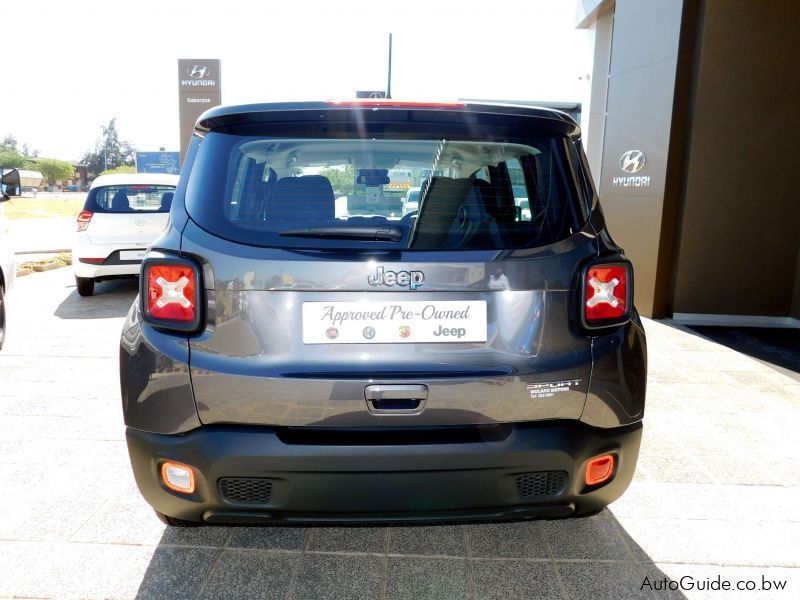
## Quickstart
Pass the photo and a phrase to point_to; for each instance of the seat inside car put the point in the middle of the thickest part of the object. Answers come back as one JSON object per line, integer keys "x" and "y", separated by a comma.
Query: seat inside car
{"x": 166, "y": 201}
{"x": 453, "y": 214}
{"x": 120, "y": 201}
{"x": 302, "y": 199}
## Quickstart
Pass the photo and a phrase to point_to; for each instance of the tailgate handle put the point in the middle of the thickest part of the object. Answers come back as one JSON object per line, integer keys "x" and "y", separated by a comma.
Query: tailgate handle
{"x": 396, "y": 399}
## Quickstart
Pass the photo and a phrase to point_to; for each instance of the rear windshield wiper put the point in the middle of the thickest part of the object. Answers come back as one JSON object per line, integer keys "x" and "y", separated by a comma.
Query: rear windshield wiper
{"x": 353, "y": 232}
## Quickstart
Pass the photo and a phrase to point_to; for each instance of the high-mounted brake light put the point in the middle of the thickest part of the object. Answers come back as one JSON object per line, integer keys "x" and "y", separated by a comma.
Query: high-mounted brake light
{"x": 378, "y": 102}
{"x": 606, "y": 297}
{"x": 84, "y": 218}
{"x": 171, "y": 294}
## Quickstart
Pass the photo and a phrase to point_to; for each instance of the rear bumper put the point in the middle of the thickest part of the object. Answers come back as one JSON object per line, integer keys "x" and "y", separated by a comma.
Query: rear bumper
{"x": 112, "y": 264}
{"x": 100, "y": 271}
{"x": 366, "y": 476}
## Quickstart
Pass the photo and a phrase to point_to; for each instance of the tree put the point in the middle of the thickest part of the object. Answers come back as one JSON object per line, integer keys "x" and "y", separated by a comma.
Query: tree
{"x": 120, "y": 169}
{"x": 26, "y": 151}
{"x": 342, "y": 180}
{"x": 55, "y": 169}
{"x": 11, "y": 158}
{"x": 109, "y": 151}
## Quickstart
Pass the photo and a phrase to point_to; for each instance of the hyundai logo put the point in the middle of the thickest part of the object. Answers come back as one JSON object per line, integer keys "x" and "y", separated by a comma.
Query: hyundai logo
{"x": 632, "y": 161}
{"x": 196, "y": 72}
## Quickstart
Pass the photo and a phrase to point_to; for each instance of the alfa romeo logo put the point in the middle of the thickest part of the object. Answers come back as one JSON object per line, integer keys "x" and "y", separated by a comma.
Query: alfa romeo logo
{"x": 632, "y": 161}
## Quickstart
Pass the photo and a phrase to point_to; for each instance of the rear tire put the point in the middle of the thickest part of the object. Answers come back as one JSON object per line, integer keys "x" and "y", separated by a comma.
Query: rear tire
{"x": 2, "y": 317}
{"x": 173, "y": 522}
{"x": 85, "y": 285}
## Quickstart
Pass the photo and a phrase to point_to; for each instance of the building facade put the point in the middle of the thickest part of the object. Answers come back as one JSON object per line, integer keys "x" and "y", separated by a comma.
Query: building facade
{"x": 691, "y": 134}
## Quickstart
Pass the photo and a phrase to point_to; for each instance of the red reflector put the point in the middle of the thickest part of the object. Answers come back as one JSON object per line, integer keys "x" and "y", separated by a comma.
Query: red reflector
{"x": 92, "y": 261}
{"x": 376, "y": 102}
{"x": 171, "y": 292}
{"x": 606, "y": 292}
{"x": 599, "y": 469}
{"x": 84, "y": 218}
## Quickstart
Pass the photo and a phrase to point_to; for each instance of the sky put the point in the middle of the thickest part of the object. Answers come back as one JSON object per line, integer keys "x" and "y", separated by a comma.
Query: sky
{"x": 70, "y": 67}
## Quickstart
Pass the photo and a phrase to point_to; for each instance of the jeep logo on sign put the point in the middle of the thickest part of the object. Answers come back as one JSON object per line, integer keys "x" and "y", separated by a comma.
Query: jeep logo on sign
{"x": 409, "y": 279}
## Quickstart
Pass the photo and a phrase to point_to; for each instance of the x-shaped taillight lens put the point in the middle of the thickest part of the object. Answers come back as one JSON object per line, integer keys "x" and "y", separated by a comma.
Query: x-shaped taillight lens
{"x": 606, "y": 293}
{"x": 171, "y": 292}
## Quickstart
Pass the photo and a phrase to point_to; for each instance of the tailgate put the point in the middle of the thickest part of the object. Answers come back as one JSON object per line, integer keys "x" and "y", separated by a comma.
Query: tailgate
{"x": 130, "y": 229}
{"x": 299, "y": 342}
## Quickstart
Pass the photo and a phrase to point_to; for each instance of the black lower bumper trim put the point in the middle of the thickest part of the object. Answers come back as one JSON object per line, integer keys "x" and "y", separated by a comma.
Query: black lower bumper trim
{"x": 361, "y": 483}
{"x": 223, "y": 517}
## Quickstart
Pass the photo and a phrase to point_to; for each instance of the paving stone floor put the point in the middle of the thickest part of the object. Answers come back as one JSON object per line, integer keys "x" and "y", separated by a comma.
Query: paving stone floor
{"x": 717, "y": 490}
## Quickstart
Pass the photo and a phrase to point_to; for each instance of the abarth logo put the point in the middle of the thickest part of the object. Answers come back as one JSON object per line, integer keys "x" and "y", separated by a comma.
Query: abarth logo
{"x": 405, "y": 331}
{"x": 409, "y": 279}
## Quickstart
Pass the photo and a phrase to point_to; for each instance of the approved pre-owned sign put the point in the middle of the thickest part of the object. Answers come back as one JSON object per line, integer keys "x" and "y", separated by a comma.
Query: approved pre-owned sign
{"x": 394, "y": 322}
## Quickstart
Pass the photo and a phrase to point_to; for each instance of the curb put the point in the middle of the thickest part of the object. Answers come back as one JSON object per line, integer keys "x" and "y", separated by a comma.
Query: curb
{"x": 58, "y": 251}
{"x": 47, "y": 267}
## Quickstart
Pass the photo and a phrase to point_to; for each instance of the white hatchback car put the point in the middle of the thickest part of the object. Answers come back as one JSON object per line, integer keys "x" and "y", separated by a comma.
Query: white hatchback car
{"x": 122, "y": 216}
{"x": 7, "y": 270}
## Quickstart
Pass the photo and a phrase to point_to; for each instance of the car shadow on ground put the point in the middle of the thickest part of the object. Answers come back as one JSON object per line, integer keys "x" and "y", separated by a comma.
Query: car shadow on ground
{"x": 778, "y": 348}
{"x": 111, "y": 299}
{"x": 590, "y": 558}
{"x": 775, "y": 347}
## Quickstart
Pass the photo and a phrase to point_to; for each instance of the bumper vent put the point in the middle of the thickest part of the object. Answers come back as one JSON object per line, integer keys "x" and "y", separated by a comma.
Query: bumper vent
{"x": 250, "y": 490}
{"x": 544, "y": 483}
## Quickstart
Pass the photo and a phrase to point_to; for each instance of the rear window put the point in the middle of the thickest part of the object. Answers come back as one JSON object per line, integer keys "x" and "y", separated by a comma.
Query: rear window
{"x": 132, "y": 198}
{"x": 473, "y": 193}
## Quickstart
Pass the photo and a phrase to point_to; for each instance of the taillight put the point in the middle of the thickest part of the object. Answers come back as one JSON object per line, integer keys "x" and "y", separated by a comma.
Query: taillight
{"x": 607, "y": 294}
{"x": 171, "y": 293}
{"x": 84, "y": 218}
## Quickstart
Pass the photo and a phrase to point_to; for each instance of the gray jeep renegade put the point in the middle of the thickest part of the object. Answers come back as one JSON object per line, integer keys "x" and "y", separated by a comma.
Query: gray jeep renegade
{"x": 306, "y": 348}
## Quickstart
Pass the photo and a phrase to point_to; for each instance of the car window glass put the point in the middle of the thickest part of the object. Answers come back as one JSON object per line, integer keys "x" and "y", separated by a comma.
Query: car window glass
{"x": 431, "y": 193}
{"x": 131, "y": 198}
{"x": 519, "y": 188}
{"x": 483, "y": 173}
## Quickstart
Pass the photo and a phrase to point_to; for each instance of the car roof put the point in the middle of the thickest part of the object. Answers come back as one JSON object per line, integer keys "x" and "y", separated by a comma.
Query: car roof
{"x": 220, "y": 116}
{"x": 135, "y": 179}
